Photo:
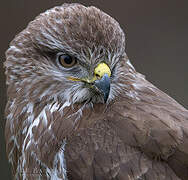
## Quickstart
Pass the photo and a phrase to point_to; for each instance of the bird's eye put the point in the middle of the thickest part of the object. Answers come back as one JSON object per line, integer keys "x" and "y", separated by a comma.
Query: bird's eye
{"x": 67, "y": 61}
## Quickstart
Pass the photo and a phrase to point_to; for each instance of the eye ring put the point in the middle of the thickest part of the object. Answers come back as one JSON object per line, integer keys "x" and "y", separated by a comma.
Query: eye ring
{"x": 66, "y": 60}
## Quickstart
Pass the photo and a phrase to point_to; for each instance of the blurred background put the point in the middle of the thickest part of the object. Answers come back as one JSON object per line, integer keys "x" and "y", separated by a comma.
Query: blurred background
{"x": 156, "y": 36}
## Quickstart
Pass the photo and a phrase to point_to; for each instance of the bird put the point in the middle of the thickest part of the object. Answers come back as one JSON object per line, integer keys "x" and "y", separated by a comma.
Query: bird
{"x": 77, "y": 109}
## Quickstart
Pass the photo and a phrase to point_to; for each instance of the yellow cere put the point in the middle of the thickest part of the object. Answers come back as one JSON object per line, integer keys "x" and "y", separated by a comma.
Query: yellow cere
{"x": 102, "y": 69}
{"x": 99, "y": 72}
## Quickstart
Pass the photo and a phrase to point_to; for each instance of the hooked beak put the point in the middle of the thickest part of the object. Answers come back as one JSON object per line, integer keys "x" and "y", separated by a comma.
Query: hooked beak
{"x": 100, "y": 80}
{"x": 103, "y": 85}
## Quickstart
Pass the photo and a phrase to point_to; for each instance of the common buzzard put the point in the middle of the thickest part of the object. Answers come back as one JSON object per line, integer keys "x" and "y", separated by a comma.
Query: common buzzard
{"x": 77, "y": 109}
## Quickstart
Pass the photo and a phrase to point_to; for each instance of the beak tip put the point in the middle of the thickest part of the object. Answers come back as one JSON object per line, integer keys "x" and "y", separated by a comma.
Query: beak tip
{"x": 104, "y": 86}
{"x": 105, "y": 98}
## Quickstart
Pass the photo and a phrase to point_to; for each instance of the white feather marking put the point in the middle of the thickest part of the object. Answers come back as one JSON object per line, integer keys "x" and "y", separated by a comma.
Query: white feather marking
{"x": 54, "y": 107}
{"x": 50, "y": 127}
{"x": 15, "y": 144}
{"x": 36, "y": 121}
{"x": 59, "y": 165}
{"x": 15, "y": 49}
{"x": 24, "y": 130}
{"x": 136, "y": 86}
{"x": 44, "y": 117}
{"x": 66, "y": 104}
{"x": 129, "y": 63}
{"x": 29, "y": 135}
{"x": 30, "y": 108}
{"x": 133, "y": 94}
{"x": 10, "y": 115}
{"x": 58, "y": 160}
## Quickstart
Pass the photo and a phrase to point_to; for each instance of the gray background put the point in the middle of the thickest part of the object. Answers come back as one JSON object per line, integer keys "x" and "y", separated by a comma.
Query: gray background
{"x": 157, "y": 38}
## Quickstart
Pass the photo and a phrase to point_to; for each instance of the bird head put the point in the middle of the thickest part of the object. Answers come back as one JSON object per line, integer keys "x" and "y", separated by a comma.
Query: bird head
{"x": 71, "y": 53}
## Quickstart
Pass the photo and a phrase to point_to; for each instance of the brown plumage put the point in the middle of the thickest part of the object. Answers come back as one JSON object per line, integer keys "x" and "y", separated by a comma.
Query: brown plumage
{"x": 68, "y": 118}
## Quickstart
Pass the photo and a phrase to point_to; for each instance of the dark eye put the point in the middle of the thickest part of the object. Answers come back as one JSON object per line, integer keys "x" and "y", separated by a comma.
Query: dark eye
{"x": 67, "y": 61}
